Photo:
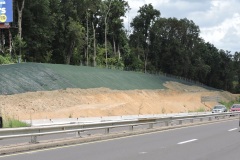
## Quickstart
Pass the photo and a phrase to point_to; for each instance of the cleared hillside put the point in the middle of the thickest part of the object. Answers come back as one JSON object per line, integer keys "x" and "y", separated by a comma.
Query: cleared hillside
{"x": 28, "y": 77}
{"x": 89, "y": 92}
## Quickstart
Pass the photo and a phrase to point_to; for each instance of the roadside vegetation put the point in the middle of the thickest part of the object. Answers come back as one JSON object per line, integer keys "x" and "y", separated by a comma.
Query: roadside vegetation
{"x": 230, "y": 103}
{"x": 6, "y": 59}
{"x": 13, "y": 123}
{"x": 199, "y": 109}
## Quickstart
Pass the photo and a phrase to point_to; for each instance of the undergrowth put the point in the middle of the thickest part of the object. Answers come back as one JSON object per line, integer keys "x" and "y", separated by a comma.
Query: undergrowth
{"x": 13, "y": 123}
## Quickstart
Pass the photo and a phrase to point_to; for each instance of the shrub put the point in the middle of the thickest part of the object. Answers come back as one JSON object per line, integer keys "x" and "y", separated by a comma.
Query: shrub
{"x": 5, "y": 59}
{"x": 13, "y": 123}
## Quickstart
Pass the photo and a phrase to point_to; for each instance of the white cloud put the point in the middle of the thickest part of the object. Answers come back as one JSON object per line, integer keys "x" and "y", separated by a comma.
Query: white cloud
{"x": 219, "y": 20}
{"x": 226, "y": 35}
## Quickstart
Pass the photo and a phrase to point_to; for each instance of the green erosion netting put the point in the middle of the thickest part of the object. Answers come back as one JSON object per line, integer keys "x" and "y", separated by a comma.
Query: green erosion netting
{"x": 27, "y": 77}
{"x": 89, "y": 77}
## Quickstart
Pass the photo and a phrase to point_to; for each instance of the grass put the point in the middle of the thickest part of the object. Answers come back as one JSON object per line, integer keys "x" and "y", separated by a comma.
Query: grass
{"x": 230, "y": 103}
{"x": 200, "y": 109}
{"x": 13, "y": 123}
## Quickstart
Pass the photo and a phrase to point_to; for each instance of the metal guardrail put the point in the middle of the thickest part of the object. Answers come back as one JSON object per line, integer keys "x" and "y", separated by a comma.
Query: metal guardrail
{"x": 34, "y": 132}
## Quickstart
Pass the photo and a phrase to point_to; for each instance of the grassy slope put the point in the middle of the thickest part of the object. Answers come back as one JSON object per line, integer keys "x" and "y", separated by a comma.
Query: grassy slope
{"x": 25, "y": 77}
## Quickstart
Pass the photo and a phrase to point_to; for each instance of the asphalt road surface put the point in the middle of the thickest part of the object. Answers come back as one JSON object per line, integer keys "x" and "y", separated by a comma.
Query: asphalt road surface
{"x": 219, "y": 141}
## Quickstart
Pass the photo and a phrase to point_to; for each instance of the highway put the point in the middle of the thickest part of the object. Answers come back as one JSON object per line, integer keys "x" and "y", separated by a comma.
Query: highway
{"x": 219, "y": 141}
{"x": 54, "y": 122}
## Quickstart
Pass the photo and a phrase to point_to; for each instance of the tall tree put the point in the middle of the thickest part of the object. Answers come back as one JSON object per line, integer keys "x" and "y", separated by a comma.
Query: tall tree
{"x": 69, "y": 31}
{"x": 57, "y": 45}
{"x": 117, "y": 12}
{"x": 75, "y": 38}
{"x": 20, "y": 7}
{"x": 38, "y": 23}
{"x": 236, "y": 63}
{"x": 106, "y": 7}
{"x": 142, "y": 24}
{"x": 89, "y": 10}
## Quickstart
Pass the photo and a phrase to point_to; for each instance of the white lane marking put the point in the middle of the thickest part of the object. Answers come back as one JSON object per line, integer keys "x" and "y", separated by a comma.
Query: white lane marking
{"x": 232, "y": 129}
{"x": 192, "y": 140}
{"x": 142, "y": 152}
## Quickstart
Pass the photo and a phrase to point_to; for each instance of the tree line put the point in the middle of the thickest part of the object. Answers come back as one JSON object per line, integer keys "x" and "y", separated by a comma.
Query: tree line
{"x": 92, "y": 33}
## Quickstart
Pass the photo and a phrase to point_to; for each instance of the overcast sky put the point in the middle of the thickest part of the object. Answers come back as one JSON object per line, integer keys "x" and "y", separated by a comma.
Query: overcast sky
{"x": 219, "y": 20}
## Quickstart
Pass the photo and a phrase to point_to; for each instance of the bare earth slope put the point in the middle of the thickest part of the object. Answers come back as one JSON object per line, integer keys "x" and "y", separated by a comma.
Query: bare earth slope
{"x": 105, "y": 102}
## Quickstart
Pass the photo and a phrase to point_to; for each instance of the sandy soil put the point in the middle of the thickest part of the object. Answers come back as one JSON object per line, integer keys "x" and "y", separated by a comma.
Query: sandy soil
{"x": 105, "y": 102}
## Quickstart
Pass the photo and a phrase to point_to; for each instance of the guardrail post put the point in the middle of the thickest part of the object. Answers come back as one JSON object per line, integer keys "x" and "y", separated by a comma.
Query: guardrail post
{"x": 150, "y": 125}
{"x": 33, "y": 139}
{"x": 166, "y": 123}
{"x": 130, "y": 128}
{"x": 107, "y": 130}
{"x": 78, "y": 134}
{"x": 180, "y": 122}
{"x": 209, "y": 118}
{"x": 201, "y": 119}
{"x": 191, "y": 120}
{"x": 239, "y": 119}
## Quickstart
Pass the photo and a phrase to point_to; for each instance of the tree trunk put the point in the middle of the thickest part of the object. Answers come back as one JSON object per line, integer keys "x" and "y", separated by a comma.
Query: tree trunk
{"x": 68, "y": 58}
{"x": 105, "y": 22}
{"x": 145, "y": 59}
{"x": 106, "y": 62}
{"x": 114, "y": 47}
{"x": 20, "y": 10}
{"x": 85, "y": 57}
{"x": 10, "y": 42}
{"x": 70, "y": 53}
{"x": 145, "y": 64}
{"x": 119, "y": 53}
{"x": 2, "y": 42}
{"x": 94, "y": 47}
{"x": 87, "y": 40}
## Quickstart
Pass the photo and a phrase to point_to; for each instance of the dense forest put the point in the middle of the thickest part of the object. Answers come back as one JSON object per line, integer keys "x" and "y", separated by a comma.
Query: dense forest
{"x": 92, "y": 33}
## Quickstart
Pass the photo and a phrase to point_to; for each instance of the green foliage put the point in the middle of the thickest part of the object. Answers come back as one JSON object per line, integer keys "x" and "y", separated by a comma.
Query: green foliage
{"x": 48, "y": 57}
{"x": 74, "y": 39}
{"x": 6, "y": 59}
{"x": 230, "y": 103}
{"x": 13, "y": 123}
{"x": 200, "y": 109}
{"x": 101, "y": 56}
{"x": 133, "y": 63}
{"x": 18, "y": 44}
{"x": 237, "y": 88}
{"x": 142, "y": 23}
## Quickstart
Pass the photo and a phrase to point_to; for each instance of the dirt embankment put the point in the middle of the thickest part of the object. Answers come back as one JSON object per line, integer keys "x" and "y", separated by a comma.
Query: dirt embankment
{"x": 105, "y": 102}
